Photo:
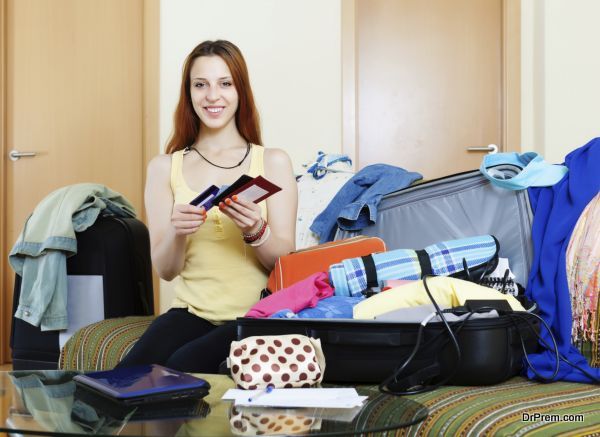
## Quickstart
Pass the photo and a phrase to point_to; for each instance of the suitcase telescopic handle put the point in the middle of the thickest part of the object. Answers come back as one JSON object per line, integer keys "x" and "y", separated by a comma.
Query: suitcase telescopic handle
{"x": 361, "y": 338}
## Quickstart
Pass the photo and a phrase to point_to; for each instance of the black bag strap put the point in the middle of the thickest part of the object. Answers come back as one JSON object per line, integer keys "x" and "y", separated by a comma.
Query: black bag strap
{"x": 421, "y": 376}
{"x": 424, "y": 262}
{"x": 370, "y": 271}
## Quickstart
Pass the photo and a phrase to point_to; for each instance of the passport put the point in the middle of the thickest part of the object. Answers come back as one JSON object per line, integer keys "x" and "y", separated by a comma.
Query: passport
{"x": 252, "y": 189}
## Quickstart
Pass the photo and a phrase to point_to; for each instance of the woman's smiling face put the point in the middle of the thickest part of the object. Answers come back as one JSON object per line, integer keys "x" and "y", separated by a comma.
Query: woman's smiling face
{"x": 214, "y": 97}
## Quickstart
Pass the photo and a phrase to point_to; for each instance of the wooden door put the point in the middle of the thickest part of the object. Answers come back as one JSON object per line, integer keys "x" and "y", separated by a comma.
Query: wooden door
{"x": 430, "y": 83}
{"x": 73, "y": 95}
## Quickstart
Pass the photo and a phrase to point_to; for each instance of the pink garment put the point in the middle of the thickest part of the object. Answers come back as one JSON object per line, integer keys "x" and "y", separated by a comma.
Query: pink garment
{"x": 303, "y": 294}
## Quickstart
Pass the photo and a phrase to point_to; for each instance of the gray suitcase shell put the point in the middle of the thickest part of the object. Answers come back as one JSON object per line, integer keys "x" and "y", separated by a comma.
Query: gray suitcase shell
{"x": 457, "y": 206}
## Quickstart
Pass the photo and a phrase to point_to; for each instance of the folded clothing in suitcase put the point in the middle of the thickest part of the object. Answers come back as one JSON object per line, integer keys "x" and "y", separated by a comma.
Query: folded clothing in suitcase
{"x": 115, "y": 250}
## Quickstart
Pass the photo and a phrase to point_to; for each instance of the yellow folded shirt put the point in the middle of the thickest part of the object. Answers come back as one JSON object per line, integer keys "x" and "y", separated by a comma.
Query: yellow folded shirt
{"x": 447, "y": 292}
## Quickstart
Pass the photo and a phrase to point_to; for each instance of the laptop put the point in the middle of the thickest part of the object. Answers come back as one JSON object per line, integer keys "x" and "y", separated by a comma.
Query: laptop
{"x": 188, "y": 408}
{"x": 144, "y": 384}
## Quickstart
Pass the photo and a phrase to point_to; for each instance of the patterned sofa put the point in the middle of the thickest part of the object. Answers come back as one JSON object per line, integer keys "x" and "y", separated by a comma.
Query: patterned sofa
{"x": 481, "y": 411}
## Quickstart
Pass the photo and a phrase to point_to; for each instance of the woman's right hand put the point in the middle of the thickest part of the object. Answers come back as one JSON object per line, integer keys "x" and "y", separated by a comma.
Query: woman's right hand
{"x": 186, "y": 219}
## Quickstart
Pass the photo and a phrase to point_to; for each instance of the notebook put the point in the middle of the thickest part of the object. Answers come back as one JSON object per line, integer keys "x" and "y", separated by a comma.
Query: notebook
{"x": 143, "y": 384}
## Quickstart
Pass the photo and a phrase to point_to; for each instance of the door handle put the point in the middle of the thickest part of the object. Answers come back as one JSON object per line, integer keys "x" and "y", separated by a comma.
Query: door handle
{"x": 490, "y": 148}
{"x": 15, "y": 155}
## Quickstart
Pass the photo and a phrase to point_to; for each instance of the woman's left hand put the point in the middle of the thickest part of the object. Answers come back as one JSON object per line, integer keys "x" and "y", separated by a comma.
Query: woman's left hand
{"x": 245, "y": 214}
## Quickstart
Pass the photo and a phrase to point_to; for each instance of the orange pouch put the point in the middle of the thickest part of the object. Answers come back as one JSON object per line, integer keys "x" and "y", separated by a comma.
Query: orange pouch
{"x": 300, "y": 264}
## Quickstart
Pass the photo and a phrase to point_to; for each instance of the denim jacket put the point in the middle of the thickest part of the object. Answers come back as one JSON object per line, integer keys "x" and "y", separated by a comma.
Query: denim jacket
{"x": 48, "y": 238}
{"x": 354, "y": 207}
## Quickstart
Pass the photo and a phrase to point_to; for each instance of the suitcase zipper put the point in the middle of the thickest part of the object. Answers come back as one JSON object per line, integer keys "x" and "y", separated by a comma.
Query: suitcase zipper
{"x": 438, "y": 193}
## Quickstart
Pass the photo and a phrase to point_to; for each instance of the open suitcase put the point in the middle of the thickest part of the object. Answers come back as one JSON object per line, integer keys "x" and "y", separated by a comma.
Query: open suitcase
{"x": 457, "y": 206}
{"x": 115, "y": 249}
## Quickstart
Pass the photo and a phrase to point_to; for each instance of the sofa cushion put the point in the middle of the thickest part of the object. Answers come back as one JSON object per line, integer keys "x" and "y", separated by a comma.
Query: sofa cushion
{"x": 505, "y": 409}
{"x": 101, "y": 345}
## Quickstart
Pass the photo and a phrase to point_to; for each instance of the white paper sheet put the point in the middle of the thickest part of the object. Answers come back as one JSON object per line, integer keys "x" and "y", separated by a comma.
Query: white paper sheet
{"x": 85, "y": 303}
{"x": 298, "y": 398}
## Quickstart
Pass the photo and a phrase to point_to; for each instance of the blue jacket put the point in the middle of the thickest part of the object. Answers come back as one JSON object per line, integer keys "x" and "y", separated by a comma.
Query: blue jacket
{"x": 354, "y": 207}
{"x": 556, "y": 211}
{"x": 48, "y": 238}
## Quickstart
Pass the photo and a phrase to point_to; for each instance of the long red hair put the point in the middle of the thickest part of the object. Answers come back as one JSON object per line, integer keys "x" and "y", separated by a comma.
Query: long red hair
{"x": 186, "y": 121}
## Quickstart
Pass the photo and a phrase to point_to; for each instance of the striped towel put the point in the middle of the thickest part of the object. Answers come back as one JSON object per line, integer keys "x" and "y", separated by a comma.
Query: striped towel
{"x": 350, "y": 277}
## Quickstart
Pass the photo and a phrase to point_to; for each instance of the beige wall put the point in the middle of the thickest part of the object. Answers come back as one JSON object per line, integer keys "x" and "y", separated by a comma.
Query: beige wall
{"x": 293, "y": 49}
{"x": 293, "y": 52}
{"x": 560, "y": 71}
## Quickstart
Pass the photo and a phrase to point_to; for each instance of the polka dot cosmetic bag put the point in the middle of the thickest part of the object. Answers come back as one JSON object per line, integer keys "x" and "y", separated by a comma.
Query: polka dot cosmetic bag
{"x": 281, "y": 361}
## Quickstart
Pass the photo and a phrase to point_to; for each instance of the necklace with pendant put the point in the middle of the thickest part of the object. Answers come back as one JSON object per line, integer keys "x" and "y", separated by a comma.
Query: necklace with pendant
{"x": 188, "y": 149}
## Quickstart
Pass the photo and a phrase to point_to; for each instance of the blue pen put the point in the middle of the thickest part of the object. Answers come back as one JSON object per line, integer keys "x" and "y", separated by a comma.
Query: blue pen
{"x": 265, "y": 391}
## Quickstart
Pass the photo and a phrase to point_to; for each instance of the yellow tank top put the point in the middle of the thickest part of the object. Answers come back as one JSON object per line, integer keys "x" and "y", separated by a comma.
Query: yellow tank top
{"x": 221, "y": 278}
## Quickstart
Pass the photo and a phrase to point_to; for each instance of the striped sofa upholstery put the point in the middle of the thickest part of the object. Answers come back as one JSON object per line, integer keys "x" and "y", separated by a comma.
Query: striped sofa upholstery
{"x": 508, "y": 409}
{"x": 101, "y": 345}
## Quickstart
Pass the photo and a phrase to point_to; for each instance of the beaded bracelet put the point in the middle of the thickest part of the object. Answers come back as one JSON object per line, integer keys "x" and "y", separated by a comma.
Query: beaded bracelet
{"x": 263, "y": 238}
{"x": 258, "y": 236}
{"x": 249, "y": 238}
{"x": 254, "y": 234}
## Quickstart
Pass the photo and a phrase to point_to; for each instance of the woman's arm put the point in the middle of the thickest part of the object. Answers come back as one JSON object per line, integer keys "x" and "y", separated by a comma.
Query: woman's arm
{"x": 281, "y": 210}
{"x": 168, "y": 225}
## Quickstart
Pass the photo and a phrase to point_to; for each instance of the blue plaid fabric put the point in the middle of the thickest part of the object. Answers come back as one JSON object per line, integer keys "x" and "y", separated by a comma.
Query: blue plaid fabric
{"x": 349, "y": 278}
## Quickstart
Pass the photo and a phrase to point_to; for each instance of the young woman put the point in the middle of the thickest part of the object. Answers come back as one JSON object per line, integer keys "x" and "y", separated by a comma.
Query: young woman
{"x": 221, "y": 257}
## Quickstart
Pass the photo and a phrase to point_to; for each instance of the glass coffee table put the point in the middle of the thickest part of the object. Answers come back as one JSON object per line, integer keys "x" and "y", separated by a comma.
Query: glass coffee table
{"x": 47, "y": 403}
